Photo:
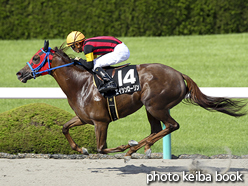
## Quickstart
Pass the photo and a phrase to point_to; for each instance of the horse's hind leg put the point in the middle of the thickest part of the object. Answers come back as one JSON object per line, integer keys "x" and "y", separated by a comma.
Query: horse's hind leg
{"x": 171, "y": 125}
{"x": 156, "y": 131}
{"x": 75, "y": 121}
{"x": 155, "y": 128}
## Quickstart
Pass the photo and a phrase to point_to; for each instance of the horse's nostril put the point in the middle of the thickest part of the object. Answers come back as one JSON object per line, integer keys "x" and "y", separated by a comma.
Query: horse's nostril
{"x": 19, "y": 74}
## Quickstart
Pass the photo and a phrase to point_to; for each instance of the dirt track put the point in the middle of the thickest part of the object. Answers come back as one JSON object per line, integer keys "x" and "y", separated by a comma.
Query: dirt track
{"x": 114, "y": 172}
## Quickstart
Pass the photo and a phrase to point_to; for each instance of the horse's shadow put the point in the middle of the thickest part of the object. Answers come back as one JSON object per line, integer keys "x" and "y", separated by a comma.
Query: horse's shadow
{"x": 132, "y": 169}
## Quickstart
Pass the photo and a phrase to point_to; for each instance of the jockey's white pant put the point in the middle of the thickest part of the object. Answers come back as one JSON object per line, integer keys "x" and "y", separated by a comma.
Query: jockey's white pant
{"x": 120, "y": 53}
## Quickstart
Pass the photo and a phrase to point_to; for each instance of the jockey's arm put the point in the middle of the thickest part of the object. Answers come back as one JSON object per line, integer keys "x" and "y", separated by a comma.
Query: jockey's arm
{"x": 88, "y": 63}
{"x": 90, "y": 57}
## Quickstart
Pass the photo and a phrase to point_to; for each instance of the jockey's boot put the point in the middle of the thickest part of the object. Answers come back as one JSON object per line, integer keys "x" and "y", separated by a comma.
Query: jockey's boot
{"x": 109, "y": 84}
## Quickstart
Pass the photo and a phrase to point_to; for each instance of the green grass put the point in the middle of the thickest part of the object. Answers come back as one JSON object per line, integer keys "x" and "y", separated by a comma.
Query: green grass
{"x": 211, "y": 61}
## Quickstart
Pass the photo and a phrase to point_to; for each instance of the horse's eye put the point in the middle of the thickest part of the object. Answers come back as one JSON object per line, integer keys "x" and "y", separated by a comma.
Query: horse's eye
{"x": 36, "y": 59}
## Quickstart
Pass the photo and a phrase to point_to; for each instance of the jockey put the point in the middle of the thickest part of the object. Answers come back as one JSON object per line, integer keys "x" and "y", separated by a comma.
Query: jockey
{"x": 110, "y": 49}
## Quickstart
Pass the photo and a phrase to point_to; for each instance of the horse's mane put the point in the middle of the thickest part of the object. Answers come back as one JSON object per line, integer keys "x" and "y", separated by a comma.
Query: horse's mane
{"x": 61, "y": 52}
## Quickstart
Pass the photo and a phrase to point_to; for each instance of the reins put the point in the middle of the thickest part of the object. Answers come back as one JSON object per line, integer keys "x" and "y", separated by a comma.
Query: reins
{"x": 35, "y": 71}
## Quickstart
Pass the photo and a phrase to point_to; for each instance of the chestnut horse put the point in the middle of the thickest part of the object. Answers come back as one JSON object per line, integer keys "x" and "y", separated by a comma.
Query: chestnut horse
{"x": 162, "y": 88}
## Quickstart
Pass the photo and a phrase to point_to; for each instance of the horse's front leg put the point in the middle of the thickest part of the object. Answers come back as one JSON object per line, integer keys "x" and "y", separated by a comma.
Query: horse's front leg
{"x": 101, "y": 137}
{"x": 72, "y": 123}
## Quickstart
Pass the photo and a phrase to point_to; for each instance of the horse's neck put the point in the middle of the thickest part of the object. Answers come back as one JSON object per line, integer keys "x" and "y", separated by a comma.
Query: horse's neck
{"x": 71, "y": 80}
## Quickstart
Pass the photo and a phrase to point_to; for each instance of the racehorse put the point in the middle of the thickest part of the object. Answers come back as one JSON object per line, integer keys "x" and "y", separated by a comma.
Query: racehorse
{"x": 162, "y": 87}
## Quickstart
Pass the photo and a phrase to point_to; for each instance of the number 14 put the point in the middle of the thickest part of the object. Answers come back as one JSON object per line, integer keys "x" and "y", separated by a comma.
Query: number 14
{"x": 129, "y": 77}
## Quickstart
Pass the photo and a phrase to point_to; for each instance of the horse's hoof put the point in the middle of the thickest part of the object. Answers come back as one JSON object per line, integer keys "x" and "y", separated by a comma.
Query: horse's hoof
{"x": 127, "y": 159}
{"x": 148, "y": 153}
{"x": 85, "y": 151}
{"x": 132, "y": 143}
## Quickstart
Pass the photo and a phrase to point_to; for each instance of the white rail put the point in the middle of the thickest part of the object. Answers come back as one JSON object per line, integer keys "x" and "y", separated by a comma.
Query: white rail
{"x": 57, "y": 93}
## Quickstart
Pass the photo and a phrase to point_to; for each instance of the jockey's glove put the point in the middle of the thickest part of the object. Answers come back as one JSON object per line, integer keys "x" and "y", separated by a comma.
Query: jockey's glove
{"x": 83, "y": 62}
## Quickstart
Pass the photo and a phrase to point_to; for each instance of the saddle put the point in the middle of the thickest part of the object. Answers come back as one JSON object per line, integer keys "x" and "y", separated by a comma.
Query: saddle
{"x": 113, "y": 68}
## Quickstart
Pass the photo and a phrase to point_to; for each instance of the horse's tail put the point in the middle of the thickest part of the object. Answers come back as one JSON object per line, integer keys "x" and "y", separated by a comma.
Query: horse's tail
{"x": 220, "y": 104}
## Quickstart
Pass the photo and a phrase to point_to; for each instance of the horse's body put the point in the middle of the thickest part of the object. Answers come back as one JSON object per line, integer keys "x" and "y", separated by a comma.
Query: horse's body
{"x": 162, "y": 88}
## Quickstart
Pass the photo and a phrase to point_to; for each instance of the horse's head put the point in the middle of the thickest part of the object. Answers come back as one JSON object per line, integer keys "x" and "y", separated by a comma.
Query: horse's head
{"x": 38, "y": 65}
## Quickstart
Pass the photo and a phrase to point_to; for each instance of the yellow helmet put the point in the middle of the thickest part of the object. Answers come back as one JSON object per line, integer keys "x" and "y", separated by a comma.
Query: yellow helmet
{"x": 74, "y": 37}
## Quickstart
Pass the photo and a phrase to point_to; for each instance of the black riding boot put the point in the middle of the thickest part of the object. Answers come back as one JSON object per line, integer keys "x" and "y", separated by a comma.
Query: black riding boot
{"x": 109, "y": 83}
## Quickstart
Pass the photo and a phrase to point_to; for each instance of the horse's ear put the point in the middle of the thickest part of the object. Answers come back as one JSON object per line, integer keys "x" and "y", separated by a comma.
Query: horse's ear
{"x": 46, "y": 45}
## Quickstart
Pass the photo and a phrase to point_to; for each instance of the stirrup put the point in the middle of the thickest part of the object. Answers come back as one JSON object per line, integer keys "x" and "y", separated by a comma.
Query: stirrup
{"x": 110, "y": 86}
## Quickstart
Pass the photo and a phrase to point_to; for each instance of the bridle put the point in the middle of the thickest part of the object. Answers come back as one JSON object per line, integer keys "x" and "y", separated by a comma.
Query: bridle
{"x": 44, "y": 67}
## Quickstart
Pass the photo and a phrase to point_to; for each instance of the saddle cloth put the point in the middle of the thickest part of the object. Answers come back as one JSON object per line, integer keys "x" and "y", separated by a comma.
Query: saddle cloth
{"x": 126, "y": 77}
{"x": 127, "y": 80}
